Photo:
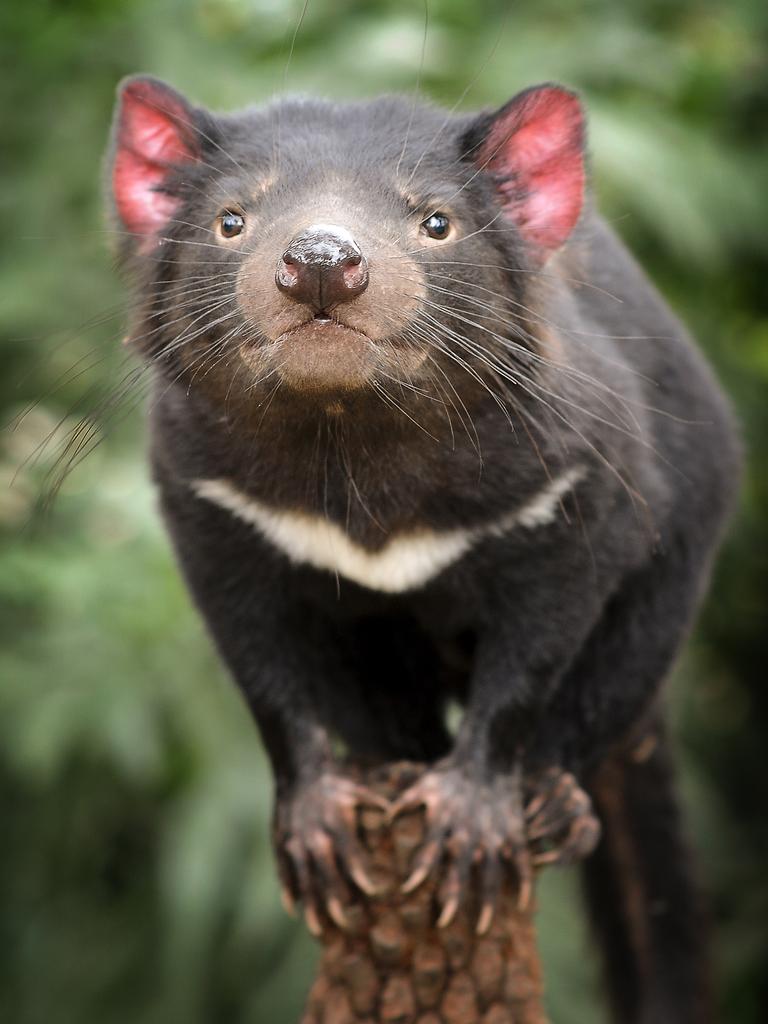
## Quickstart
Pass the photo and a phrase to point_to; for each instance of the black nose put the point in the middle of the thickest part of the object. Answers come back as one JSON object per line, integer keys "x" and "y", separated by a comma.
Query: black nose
{"x": 322, "y": 267}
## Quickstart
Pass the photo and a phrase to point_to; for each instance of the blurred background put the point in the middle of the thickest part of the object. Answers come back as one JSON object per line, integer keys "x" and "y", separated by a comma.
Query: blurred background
{"x": 136, "y": 881}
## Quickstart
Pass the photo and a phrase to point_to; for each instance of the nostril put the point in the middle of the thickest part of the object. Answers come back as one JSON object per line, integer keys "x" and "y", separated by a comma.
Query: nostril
{"x": 353, "y": 259}
{"x": 286, "y": 275}
{"x": 355, "y": 274}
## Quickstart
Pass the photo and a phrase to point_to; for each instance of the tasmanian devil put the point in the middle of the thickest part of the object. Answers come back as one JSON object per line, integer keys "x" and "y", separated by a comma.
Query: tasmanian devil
{"x": 424, "y": 434}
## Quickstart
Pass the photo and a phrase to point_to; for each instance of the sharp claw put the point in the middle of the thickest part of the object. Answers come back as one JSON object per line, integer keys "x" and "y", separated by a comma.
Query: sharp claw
{"x": 534, "y": 830}
{"x": 535, "y": 806}
{"x": 540, "y": 828}
{"x": 490, "y": 886}
{"x": 423, "y": 868}
{"x": 360, "y": 877}
{"x": 571, "y": 837}
{"x": 524, "y": 895}
{"x": 523, "y": 865}
{"x": 550, "y": 857}
{"x": 415, "y": 879}
{"x": 485, "y": 920}
{"x": 450, "y": 891}
{"x": 549, "y": 819}
{"x": 336, "y": 912}
{"x": 288, "y": 901}
{"x": 312, "y": 920}
{"x": 448, "y": 912}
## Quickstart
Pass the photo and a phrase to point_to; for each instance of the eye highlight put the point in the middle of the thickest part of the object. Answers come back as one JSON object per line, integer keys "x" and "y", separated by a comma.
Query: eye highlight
{"x": 231, "y": 223}
{"x": 436, "y": 226}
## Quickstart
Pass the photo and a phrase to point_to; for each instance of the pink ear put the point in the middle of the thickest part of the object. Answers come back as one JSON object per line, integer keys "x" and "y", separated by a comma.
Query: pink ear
{"x": 154, "y": 132}
{"x": 534, "y": 150}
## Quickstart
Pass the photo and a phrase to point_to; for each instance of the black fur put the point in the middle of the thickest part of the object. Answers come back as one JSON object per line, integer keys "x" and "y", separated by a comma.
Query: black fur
{"x": 555, "y": 639}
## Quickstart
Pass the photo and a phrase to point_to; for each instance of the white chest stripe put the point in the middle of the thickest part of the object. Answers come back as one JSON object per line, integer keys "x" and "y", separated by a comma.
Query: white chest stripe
{"x": 406, "y": 562}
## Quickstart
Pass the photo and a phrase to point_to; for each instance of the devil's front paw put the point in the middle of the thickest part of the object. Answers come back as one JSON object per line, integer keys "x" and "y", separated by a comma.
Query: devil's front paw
{"x": 473, "y": 828}
{"x": 560, "y": 823}
{"x": 316, "y": 846}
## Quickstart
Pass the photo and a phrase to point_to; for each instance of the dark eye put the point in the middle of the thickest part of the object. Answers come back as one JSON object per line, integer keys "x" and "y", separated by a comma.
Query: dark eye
{"x": 231, "y": 224}
{"x": 437, "y": 225}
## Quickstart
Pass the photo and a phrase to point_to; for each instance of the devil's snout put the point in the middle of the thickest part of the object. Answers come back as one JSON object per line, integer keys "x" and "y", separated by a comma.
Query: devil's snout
{"x": 322, "y": 266}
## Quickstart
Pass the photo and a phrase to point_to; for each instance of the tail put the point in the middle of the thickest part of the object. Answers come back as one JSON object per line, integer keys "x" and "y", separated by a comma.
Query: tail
{"x": 640, "y": 886}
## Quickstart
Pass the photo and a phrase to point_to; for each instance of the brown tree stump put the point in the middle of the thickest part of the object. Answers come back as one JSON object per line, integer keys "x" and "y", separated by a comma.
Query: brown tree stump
{"x": 394, "y": 966}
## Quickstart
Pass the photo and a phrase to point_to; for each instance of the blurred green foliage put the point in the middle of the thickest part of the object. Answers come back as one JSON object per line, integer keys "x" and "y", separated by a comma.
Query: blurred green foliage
{"x": 136, "y": 882}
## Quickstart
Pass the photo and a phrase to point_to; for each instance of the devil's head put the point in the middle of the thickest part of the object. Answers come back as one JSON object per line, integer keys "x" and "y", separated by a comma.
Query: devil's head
{"x": 338, "y": 248}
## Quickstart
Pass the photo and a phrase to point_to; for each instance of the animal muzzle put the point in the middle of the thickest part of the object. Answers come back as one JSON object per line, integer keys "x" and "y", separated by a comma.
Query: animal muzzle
{"x": 322, "y": 267}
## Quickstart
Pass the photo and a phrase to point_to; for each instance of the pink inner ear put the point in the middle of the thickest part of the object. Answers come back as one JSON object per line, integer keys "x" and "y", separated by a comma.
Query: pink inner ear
{"x": 153, "y": 133}
{"x": 534, "y": 150}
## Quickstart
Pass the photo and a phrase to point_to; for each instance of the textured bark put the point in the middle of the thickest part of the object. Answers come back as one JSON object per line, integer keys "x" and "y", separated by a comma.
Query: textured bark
{"x": 394, "y": 966}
